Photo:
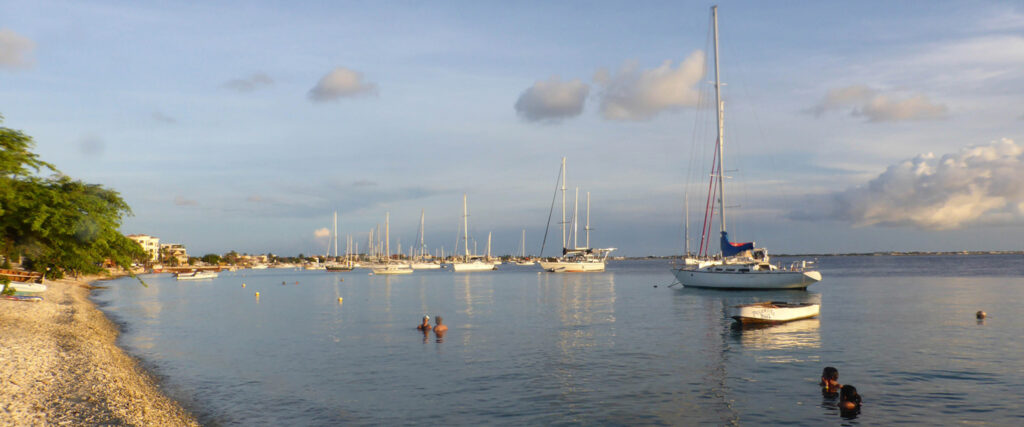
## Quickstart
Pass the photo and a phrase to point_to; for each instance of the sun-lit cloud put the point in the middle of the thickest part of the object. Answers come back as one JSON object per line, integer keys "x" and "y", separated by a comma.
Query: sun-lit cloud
{"x": 552, "y": 100}
{"x": 341, "y": 83}
{"x": 978, "y": 184}
{"x": 15, "y": 50}
{"x": 249, "y": 84}
{"x": 182, "y": 201}
{"x": 634, "y": 94}
{"x": 863, "y": 101}
{"x": 321, "y": 233}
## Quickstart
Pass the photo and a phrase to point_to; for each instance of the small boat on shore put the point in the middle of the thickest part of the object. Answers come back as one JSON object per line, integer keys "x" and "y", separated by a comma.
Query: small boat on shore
{"x": 775, "y": 312}
{"x": 197, "y": 275}
{"x": 23, "y": 282}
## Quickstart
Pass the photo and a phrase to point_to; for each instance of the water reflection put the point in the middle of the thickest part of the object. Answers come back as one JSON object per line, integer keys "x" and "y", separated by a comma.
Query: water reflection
{"x": 767, "y": 337}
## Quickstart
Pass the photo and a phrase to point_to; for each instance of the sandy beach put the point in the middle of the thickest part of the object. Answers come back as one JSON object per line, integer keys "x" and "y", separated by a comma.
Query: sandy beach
{"x": 59, "y": 364}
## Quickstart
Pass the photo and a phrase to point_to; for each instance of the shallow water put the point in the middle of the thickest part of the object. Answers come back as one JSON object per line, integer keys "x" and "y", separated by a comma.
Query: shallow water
{"x": 606, "y": 348}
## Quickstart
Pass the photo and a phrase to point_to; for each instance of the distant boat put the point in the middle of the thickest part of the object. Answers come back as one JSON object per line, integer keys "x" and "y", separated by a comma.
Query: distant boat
{"x": 523, "y": 259}
{"x": 469, "y": 262}
{"x": 420, "y": 262}
{"x": 741, "y": 265}
{"x": 576, "y": 259}
{"x": 774, "y": 312}
{"x": 392, "y": 269}
{"x": 335, "y": 266}
{"x": 197, "y": 275}
{"x": 259, "y": 267}
{"x": 390, "y": 266}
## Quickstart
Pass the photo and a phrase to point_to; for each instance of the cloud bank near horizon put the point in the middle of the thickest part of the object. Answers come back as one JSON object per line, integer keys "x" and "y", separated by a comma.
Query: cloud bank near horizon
{"x": 982, "y": 184}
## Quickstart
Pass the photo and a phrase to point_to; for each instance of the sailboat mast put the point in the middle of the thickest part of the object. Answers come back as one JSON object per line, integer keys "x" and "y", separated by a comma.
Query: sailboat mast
{"x": 587, "y": 227}
{"x": 465, "y": 226}
{"x": 488, "y": 245}
{"x": 387, "y": 234}
{"x": 335, "y": 235}
{"x": 575, "y": 219}
{"x": 423, "y": 245}
{"x": 686, "y": 224}
{"x": 721, "y": 141}
{"x": 563, "y": 205}
{"x": 524, "y": 243}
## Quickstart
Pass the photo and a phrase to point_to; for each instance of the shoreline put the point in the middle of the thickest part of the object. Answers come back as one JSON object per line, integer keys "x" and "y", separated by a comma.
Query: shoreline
{"x": 60, "y": 364}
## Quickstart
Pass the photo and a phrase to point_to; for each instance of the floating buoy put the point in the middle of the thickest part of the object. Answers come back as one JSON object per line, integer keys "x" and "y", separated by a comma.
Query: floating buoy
{"x": 283, "y": 283}
{"x": 257, "y": 294}
{"x": 341, "y": 280}
{"x": 296, "y": 282}
{"x": 655, "y": 286}
{"x": 340, "y": 300}
{"x": 980, "y": 314}
{"x": 243, "y": 285}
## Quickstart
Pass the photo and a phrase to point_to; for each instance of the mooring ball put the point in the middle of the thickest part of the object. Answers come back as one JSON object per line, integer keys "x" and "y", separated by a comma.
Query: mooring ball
{"x": 980, "y": 314}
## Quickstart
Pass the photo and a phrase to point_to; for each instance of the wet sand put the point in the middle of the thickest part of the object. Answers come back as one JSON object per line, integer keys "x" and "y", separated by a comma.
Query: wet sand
{"x": 59, "y": 364}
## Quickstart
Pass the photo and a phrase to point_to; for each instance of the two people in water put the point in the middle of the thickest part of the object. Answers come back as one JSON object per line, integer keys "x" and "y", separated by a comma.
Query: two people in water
{"x": 439, "y": 328}
{"x": 849, "y": 400}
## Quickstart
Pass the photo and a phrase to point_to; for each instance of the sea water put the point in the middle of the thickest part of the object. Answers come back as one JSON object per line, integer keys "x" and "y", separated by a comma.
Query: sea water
{"x": 620, "y": 347}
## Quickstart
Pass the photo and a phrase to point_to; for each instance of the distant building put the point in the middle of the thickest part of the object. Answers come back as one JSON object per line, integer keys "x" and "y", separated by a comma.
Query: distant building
{"x": 149, "y": 243}
{"x": 175, "y": 250}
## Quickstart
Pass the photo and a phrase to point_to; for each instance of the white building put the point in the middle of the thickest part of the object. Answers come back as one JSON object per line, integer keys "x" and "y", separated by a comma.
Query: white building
{"x": 149, "y": 243}
{"x": 175, "y": 250}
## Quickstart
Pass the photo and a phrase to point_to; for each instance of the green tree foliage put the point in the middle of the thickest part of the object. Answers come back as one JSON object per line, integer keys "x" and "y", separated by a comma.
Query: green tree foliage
{"x": 58, "y": 224}
{"x": 212, "y": 259}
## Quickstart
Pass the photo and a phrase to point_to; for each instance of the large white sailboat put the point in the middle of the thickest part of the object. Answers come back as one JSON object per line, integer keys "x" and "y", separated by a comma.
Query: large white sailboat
{"x": 469, "y": 262}
{"x": 576, "y": 259}
{"x": 741, "y": 265}
{"x": 337, "y": 265}
{"x": 420, "y": 261}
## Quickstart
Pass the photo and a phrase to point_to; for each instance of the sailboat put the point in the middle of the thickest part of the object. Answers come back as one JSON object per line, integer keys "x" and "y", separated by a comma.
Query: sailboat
{"x": 335, "y": 266}
{"x": 741, "y": 265}
{"x": 420, "y": 262}
{"x": 469, "y": 262}
{"x": 523, "y": 259}
{"x": 576, "y": 259}
{"x": 390, "y": 266}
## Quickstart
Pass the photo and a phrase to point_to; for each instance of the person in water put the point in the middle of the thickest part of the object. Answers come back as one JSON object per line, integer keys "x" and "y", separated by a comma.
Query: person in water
{"x": 849, "y": 400}
{"x": 440, "y": 328}
{"x": 829, "y": 382}
{"x": 425, "y": 326}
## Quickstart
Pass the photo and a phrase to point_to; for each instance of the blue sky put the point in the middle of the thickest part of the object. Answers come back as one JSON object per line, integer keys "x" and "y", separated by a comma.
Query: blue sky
{"x": 244, "y": 125}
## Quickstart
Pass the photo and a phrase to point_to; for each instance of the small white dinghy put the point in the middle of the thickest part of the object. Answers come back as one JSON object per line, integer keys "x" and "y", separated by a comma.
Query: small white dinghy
{"x": 23, "y": 282}
{"x": 775, "y": 312}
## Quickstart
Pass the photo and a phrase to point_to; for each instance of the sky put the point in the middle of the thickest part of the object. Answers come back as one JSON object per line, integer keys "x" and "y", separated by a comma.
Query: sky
{"x": 849, "y": 126}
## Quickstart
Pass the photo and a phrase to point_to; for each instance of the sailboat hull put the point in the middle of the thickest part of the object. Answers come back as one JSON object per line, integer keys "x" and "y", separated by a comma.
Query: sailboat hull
{"x": 460, "y": 267}
{"x": 424, "y": 266}
{"x": 776, "y": 279}
{"x": 572, "y": 267}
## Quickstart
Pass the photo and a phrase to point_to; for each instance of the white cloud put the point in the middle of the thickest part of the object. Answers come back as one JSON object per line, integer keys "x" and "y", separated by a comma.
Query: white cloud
{"x": 632, "y": 94}
{"x": 862, "y": 101}
{"x": 15, "y": 50}
{"x": 552, "y": 100}
{"x": 321, "y": 233}
{"x": 979, "y": 184}
{"x": 253, "y": 82}
{"x": 341, "y": 83}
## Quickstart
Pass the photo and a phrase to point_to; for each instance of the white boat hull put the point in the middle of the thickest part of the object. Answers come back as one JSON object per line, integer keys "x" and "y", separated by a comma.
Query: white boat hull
{"x": 197, "y": 276}
{"x": 403, "y": 269}
{"x": 26, "y": 288}
{"x": 424, "y": 266}
{"x": 460, "y": 267}
{"x": 774, "y": 312}
{"x": 775, "y": 279}
{"x": 572, "y": 267}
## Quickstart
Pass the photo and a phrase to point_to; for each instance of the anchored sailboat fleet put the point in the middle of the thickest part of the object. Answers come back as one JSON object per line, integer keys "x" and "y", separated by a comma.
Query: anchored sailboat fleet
{"x": 741, "y": 265}
{"x": 576, "y": 259}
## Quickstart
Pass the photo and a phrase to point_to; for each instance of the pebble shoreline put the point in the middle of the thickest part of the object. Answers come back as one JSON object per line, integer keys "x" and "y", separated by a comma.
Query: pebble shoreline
{"x": 60, "y": 364}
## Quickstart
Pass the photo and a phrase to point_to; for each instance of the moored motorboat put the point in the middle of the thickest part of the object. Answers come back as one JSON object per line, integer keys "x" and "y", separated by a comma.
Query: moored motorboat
{"x": 197, "y": 275}
{"x": 774, "y": 312}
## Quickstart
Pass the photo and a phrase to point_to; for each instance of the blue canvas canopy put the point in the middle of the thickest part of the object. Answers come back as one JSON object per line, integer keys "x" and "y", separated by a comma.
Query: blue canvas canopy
{"x": 731, "y": 249}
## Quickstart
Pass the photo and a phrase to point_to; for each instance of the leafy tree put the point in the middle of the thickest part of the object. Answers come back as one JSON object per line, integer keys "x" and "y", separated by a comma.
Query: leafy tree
{"x": 60, "y": 225}
{"x": 231, "y": 257}
{"x": 212, "y": 259}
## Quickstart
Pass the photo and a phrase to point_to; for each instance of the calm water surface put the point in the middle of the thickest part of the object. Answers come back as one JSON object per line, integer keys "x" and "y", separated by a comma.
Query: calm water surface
{"x": 607, "y": 348}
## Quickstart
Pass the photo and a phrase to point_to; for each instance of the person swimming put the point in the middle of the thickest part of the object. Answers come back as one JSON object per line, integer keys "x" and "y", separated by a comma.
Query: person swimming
{"x": 849, "y": 400}
{"x": 829, "y": 382}
{"x": 425, "y": 326}
{"x": 440, "y": 328}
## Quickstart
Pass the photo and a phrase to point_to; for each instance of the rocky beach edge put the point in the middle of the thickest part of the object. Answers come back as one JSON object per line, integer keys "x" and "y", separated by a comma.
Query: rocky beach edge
{"x": 60, "y": 364}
